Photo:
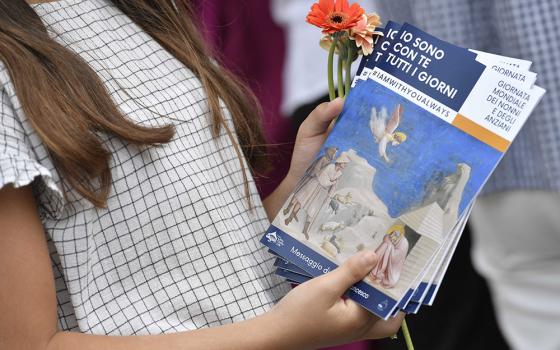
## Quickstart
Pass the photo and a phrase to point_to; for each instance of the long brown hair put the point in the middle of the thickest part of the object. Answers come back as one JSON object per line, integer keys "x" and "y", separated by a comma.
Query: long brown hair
{"x": 67, "y": 104}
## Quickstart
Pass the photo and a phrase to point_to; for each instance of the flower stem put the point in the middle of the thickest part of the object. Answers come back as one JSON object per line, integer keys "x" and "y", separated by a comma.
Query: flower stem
{"x": 349, "y": 60}
{"x": 339, "y": 76}
{"x": 406, "y": 333}
{"x": 332, "y": 93}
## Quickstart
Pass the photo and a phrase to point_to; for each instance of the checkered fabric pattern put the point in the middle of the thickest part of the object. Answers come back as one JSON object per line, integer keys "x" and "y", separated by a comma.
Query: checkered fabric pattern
{"x": 177, "y": 247}
{"x": 516, "y": 28}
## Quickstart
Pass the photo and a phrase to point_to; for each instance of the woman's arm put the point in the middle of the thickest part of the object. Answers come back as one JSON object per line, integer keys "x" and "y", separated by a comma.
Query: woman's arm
{"x": 311, "y": 136}
{"x": 28, "y": 300}
{"x": 310, "y": 316}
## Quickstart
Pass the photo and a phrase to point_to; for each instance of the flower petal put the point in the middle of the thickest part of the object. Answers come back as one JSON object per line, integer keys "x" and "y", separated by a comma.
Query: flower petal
{"x": 341, "y": 5}
{"x": 326, "y": 6}
{"x": 336, "y": 15}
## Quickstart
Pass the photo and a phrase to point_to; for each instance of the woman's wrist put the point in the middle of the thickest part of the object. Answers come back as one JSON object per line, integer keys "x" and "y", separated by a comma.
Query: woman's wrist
{"x": 276, "y": 199}
{"x": 291, "y": 180}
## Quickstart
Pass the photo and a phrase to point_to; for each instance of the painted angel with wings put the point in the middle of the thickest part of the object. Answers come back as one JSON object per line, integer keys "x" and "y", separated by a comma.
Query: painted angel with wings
{"x": 384, "y": 129}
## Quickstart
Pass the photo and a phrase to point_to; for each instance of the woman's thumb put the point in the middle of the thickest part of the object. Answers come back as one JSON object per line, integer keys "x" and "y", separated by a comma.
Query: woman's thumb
{"x": 353, "y": 270}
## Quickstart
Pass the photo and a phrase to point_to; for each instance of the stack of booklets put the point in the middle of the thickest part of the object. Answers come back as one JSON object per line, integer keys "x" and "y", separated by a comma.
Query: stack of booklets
{"x": 422, "y": 129}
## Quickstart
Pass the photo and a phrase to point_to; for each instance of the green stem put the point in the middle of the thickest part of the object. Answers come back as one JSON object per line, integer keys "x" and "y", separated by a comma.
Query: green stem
{"x": 407, "y": 337}
{"x": 349, "y": 60}
{"x": 339, "y": 76}
{"x": 332, "y": 94}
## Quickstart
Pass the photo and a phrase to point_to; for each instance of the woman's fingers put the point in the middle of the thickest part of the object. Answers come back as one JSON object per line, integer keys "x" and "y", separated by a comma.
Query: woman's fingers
{"x": 318, "y": 121}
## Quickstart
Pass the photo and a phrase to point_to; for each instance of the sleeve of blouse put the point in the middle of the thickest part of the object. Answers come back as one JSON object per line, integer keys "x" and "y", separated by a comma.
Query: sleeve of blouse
{"x": 19, "y": 165}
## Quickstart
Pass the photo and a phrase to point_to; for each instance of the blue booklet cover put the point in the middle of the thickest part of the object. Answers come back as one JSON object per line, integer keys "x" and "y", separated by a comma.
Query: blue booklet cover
{"x": 412, "y": 148}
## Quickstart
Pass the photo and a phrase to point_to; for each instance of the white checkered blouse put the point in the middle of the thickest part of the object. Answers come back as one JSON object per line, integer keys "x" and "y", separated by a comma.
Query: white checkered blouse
{"x": 177, "y": 248}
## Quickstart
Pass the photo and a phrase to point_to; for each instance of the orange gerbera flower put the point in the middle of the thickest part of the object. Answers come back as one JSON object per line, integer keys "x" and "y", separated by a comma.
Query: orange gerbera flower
{"x": 334, "y": 15}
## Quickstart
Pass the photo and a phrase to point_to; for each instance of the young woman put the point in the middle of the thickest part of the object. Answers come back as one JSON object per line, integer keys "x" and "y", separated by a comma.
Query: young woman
{"x": 127, "y": 204}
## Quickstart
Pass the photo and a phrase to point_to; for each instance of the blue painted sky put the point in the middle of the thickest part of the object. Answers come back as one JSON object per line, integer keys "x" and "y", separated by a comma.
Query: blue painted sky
{"x": 433, "y": 146}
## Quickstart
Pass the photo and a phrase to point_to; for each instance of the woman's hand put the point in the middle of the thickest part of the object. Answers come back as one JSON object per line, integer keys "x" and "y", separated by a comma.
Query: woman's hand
{"x": 314, "y": 314}
{"x": 311, "y": 136}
